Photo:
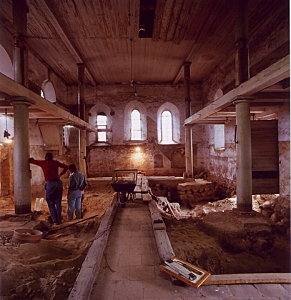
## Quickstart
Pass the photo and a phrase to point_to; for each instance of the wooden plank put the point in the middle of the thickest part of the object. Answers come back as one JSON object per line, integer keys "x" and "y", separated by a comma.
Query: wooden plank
{"x": 271, "y": 75}
{"x": 248, "y": 278}
{"x": 14, "y": 89}
{"x": 146, "y": 197}
{"x": 137, "y": 195}
{"x": 144, "y": 188}
{"x": 157, "y": 220}
{"x": 91, "y": 265}
{"x": 137, "y": 189}
{"x": 164, "y": 246}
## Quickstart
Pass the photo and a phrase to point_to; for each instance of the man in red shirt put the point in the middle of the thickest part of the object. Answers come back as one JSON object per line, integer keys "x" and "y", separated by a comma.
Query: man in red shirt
{"x": 53, "y": 184}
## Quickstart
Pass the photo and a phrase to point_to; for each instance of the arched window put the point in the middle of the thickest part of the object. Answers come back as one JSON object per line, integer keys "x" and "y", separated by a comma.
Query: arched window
{"x": 48, "y": 91}
{"x": 167, "y": 132}
{"x": 219, "y": 140}
{"x": 135, "y": 122}
{"x": 100, "y": 118}
{"x": 135, "y": 125}
{"x": 168, "y": 124}
{"x": 6, "y": 66}
{"x": 101, "y": 127}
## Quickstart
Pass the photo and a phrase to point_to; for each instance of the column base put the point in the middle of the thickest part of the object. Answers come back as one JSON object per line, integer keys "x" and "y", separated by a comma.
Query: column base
{"x": 22, "y": 209}
{"x": 244, "y": 211}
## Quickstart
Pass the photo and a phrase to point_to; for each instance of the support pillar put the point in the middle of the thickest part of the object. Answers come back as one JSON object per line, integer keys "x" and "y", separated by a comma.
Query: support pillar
{"x": 81, "y": 115}
{"x": 22, "y": 190}
{"x": 188, "y": 129}
{"x": 242, "y": 106}
{"x": 242, "y": 68}
{"x": 243, "y": 155}
{"x": 20, "y": 56}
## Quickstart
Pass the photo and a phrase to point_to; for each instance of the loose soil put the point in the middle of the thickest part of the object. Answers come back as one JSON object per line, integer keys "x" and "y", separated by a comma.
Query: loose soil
{"x": 48, "y": 269}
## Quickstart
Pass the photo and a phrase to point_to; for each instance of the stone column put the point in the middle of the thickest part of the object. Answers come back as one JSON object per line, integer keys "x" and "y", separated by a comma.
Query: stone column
{"x": 243, "y": 155}
{"x": 81, "y": 115}
{"x": 22, "y": 191}
{"x": 242, "y": 106}
{"x": 188, "y": 129}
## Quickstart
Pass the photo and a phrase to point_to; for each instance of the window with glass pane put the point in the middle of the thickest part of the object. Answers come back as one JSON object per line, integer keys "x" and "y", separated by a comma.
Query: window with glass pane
{"x": 167, "y": 132}
{"x": 101, "y": 125}
{"x": 135, "y": 125}
{"x": 219, "y": 140}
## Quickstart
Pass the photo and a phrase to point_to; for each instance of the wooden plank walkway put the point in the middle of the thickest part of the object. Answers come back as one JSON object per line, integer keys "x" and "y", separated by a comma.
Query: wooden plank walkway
{"x": 86, "y": 280}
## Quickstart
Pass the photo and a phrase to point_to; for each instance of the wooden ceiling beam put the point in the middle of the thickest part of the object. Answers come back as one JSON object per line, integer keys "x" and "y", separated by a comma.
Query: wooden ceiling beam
{"x": 14, "y": 89}
{"x": 268, "y": 77}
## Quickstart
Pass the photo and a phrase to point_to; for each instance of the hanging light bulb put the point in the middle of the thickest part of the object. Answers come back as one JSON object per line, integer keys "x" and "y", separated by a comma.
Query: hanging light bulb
{"x": 69, "y": 125}
{"x": 6, "y": 133}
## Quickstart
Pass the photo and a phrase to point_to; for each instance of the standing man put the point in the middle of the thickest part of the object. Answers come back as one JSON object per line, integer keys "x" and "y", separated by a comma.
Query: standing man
{"x": 77, "y": 183}
{"x": 53, "y": 184}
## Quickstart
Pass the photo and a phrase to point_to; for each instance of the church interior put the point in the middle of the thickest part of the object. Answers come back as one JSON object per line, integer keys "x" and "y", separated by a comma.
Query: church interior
{"x": 188, "y": 93}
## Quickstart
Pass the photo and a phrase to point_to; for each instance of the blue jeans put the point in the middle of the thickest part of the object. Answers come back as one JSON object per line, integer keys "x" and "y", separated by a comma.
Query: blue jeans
{"x": 74, "y": 202}
{"x": 53, "y": 194}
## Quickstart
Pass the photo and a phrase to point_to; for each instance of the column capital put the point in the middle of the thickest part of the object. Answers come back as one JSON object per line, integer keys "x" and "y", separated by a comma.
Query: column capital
{"x": 19, "y": 100}
{"x": 242, "y": 99}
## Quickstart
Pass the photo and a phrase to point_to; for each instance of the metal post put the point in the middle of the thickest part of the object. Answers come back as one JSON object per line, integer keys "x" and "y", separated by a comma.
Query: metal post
{"x": 188, "y": 129}
{"x": 20, "y": 57}
{"x": 81, "y": 115}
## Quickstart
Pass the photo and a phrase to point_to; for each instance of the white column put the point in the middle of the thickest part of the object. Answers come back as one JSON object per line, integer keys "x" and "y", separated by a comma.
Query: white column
{"x": 22, "y": 191}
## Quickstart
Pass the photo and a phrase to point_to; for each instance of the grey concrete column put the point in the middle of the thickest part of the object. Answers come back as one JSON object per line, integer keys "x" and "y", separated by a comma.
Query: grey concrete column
{"x": 22, "y": 191}
{"x": 81, "y": 115}
{"x": 20, "y": 56}
{"x": 243, "y": 155}
{"x": 188, "y": 129}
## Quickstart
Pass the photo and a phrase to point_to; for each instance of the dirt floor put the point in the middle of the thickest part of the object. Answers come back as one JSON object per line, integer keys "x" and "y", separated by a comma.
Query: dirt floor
{"x": 48, "y": 269}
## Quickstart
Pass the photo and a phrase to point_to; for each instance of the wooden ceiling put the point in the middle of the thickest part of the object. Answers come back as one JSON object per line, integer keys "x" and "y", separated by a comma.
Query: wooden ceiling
{"x": 105, "y": 36}
{"x": 140, "y": 41}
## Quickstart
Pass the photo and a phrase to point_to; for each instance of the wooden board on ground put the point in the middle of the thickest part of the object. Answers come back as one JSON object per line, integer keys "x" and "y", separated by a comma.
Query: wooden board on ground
{"x": 156, "y": 216}
{"x": 91, "y": 265}
{"x": 146, "y": 197}
{"x": 137, "y": 196}
{"x": 137, "y": 189}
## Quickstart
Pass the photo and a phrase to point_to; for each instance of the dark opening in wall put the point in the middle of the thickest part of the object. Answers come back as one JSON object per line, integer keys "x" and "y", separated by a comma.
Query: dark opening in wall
{"x": 146, "y": 18}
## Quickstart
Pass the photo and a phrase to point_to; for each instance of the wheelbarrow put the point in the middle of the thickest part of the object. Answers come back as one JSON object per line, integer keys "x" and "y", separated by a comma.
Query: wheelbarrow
{"x": 124, "y": 182}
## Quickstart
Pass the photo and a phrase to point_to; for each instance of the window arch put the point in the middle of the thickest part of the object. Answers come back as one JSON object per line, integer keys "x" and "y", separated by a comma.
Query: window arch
{"x": 219, "y": 139}
{"x": 101, "y": 127}
{"x": 140, "y": 117}
{"x": 6, "y": 66}
{"x": 135, "y": 126}
{"x": 101, "y": 119}
{"x": 48, "y": 91}
{"x": 167, "y": 130}
{"x": 168, "y": 124}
